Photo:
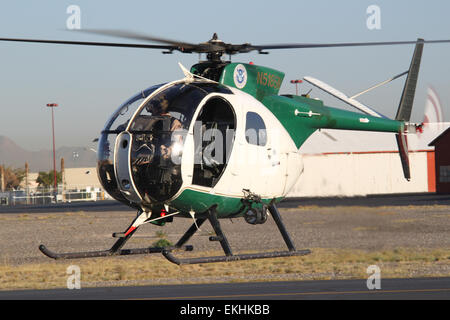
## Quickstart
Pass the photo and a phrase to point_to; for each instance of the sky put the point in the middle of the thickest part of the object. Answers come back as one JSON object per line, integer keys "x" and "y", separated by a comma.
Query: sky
{"x": 89, "y": 83}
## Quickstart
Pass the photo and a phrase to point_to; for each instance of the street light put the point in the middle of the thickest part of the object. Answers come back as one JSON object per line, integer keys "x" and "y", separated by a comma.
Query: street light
{"x": 53, "y": 105}
{"x": 296, "y": 85}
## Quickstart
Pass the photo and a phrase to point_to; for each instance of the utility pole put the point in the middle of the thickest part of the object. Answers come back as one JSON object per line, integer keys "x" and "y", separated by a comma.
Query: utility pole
{"x": 55, "y": 184}
{"x": 2, "y": 182}
{"x": 27, "y": 189}
{"x": 63, "y": 180}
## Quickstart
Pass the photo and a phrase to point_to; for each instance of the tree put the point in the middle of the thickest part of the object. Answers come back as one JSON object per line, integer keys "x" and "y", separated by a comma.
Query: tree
{"x": 46, "y": 179}
{"x": 12, "y": 177}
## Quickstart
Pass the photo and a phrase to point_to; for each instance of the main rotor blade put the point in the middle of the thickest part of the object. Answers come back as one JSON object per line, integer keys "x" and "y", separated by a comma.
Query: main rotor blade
{"x": 330, "y": 45}
{"x": 205, "y": 47}
{"x": 139, "y": 36}
{"x": 88, "y": 43}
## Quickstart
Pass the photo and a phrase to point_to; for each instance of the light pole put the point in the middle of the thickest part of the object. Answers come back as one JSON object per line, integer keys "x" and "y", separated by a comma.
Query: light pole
{"x": 296, "y": 85}
{"x": 53, "y": 105}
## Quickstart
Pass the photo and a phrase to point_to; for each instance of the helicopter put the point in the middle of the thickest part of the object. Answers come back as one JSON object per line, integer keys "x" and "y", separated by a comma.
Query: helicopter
{"x": 221, "y": 142}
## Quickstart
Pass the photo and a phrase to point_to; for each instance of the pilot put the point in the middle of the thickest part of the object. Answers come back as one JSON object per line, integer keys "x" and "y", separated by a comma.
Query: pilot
{"x": 159, "y": 108}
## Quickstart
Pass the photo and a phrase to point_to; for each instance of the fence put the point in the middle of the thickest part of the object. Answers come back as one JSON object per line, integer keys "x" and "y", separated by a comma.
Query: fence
{"x": 40, "y": 196}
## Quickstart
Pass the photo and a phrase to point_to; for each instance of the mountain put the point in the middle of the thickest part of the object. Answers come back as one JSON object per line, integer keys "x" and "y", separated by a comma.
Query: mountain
{"x": 15, "y": 156}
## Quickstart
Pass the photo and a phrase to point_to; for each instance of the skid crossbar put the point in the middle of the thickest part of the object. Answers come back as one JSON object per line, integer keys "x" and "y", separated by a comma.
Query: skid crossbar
{"x": 220, "y": 236}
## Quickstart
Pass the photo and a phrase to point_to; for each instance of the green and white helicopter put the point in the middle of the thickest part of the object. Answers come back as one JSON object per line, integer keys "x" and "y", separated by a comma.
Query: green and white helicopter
{"x": 221, "y": 142}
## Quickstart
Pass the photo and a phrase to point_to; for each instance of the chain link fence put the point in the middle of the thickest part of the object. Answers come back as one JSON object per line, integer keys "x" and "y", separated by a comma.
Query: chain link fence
{"x": 39, "y": 196}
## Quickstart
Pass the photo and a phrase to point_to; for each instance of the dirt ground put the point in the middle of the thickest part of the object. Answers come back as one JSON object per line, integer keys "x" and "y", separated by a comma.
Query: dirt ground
{"x": 396, "y": 234}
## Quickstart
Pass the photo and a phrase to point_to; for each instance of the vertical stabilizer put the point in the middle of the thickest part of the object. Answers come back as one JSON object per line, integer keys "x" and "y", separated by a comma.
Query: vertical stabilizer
{"x": 402, "y": 144}
{"x": 405, "y": 106}
{"x": 406, "y": 102}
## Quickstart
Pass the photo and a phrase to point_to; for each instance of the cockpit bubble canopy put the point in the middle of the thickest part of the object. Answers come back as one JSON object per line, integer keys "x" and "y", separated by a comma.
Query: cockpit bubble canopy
{"x": 157, "y": 122}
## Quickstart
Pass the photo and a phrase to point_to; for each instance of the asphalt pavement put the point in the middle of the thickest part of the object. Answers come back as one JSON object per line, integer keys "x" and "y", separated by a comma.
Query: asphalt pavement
{"x": 388, "y": 289}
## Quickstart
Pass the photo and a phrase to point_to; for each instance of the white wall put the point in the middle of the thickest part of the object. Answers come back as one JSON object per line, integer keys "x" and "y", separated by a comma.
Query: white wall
{"x": 360, "y": 174}
{"x": 81, "y": 177}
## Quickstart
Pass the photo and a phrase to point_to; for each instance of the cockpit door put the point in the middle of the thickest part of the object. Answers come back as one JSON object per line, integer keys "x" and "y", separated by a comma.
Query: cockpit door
{"x": 214, "y": 132}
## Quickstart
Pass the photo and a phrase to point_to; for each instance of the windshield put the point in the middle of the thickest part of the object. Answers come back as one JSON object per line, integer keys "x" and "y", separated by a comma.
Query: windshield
{"x": 116, "y": 124}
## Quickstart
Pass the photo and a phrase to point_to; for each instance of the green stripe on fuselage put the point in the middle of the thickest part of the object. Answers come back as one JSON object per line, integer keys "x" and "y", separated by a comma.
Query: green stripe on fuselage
{"x": 201, "y": 201}
{"x": 301, "y": 116}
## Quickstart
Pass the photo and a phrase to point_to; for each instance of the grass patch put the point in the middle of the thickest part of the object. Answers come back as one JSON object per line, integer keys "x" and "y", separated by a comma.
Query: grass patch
{"x": 154, "y": 269}
{"x": 161, "y": 243}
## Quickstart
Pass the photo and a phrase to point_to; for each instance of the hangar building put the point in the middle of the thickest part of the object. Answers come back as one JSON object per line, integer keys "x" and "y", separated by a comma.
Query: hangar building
{"x": 442, "y": 161}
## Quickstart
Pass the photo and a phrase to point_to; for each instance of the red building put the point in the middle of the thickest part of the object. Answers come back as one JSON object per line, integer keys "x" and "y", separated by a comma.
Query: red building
{"x": 442, "y": 161}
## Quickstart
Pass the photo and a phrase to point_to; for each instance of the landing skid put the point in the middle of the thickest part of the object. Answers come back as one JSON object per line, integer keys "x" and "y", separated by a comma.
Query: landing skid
{"x": 236, "y": 257}
{"x": 106, "y": 253}
{"x": 212, "y": 217}
{"x": 116, "y": 249}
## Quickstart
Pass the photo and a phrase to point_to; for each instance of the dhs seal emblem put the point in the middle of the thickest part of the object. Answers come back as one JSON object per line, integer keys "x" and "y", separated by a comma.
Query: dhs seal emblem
{"x": 240, "y": 76}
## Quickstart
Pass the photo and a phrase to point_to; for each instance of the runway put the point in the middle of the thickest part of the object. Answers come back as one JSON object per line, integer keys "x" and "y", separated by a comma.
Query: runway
{"x": 390, "y": 289}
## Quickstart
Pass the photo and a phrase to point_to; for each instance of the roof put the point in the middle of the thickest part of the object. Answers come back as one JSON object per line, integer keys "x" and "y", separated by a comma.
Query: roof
{"x": 439, "y": 137}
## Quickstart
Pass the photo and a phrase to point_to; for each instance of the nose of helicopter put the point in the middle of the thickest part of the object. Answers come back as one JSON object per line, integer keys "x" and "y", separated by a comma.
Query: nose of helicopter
{"x": 145, "y": 161}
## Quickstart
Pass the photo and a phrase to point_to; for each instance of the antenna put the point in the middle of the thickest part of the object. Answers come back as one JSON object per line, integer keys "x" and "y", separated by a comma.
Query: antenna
{"x": 307, "y": 94}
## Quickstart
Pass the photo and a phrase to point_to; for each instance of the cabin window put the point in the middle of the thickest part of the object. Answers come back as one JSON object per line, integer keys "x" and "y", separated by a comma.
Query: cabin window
{"x": 255, "y": 129}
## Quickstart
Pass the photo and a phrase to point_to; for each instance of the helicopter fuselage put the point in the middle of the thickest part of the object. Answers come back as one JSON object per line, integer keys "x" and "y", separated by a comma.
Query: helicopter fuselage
{"x": 196, "y": 143}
